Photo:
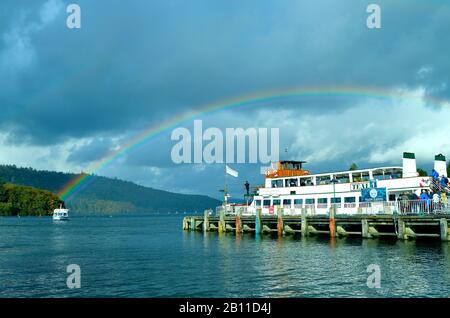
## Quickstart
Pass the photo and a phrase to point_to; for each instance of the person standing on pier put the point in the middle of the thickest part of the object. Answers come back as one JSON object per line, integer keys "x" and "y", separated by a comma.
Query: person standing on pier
{"x": 444, "y": 200}
{"x": 247, "y": 187}
{"x": 435, "y": 175}
{"x": 436, "y": 201}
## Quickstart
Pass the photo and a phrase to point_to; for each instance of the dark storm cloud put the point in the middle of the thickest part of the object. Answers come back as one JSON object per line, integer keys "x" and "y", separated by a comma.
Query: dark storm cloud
{"x": 90, "y": 151}
{"x": 136, "y": 63}
{"x": 132, "y": 64}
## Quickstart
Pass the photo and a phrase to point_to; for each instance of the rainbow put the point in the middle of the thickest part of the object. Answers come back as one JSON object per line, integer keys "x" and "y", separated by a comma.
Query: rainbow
{"x": 83, "y": 180}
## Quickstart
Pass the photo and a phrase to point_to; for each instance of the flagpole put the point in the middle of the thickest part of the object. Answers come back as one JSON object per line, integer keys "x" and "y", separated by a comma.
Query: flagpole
{"x": 225, "y": 190}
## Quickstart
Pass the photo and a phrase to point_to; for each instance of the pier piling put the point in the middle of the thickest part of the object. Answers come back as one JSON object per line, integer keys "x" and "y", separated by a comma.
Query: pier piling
{"x": 222, "y": 225}
{"x": 239, "y": 222}
{"x": 304, "y": 224}
{"x": 206, "y": 221}
{"x": 402, "y": 227}
{"x": 280, "y": 226}
{"x": 444, "y": 229}
{"x": 365, "y": 229}
{"x": 332, "y": 223}
{"x": 404, "y": 232}
{"x": 193, "y": 224}
{"x": 258, "y": 225}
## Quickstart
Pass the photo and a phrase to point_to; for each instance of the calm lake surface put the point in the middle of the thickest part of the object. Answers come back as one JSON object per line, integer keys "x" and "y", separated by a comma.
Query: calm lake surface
{"x": 150, "y": 256}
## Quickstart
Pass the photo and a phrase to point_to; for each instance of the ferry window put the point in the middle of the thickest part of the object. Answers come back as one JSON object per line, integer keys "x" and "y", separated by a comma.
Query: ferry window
{"x": 338, "y": 200}
{"x": 298, "y": 201}
{"x": 388, "y": 175}
{"x": 323, "y": 180}
{"x": 286, "y": 202}
{"x": 391, "y": 197}
{"x": 342, "y": 178}
{"x": 350, "y": 200}
{"x": 396, "y": 174}
{"x": 293, "y": 192}
{"x": 277, "y": 183}
{"x": 356, "y": 177}
{"x": 306, "y": 182}
{"x": 291, "y": 182}
{"x": 309, "y": 201}
{"x": 379, "y": 175}
{"x": 365, "y": 176}
{"x": 322, "y": 200}
{"x": 360, "y": 176}
{"x": 258, "y": 202}
{"x": 266, "y": 203}
{"x": 276, "y": 202}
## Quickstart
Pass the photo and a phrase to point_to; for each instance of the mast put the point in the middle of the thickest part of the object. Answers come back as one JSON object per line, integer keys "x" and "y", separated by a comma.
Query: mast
{"x": 225, "y": 190}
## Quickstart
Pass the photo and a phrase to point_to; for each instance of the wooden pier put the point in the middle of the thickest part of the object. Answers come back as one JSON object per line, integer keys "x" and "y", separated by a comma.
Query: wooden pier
{"x": 403, "y": 227}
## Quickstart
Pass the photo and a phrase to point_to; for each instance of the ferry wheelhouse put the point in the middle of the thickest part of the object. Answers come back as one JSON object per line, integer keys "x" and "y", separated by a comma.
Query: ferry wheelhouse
{"x": 288, "y": 186}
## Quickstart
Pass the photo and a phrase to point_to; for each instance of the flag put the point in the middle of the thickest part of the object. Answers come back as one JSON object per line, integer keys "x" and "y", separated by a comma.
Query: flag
{"x": 230, "y": 171}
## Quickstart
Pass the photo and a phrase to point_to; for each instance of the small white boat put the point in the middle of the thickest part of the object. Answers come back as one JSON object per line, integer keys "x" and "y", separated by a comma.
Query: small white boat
{"x": 60, "y": 214}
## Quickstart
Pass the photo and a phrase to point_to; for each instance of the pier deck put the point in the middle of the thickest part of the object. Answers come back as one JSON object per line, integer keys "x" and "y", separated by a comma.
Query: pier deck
{"x": 366, "y": 226}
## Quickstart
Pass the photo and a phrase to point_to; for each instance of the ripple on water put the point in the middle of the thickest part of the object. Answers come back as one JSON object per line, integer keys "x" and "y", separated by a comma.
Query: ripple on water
{"x": 149, "y": 256}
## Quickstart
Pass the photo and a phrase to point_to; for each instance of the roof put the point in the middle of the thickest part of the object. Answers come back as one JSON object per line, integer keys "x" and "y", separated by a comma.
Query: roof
{"x": 349, "y": 171}
{"x": 291, "y": 161}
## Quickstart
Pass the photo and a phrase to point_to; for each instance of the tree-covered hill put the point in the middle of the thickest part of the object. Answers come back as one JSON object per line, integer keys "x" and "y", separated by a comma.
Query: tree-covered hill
{"x": 25, "y": 200}
{"x": 108, "y": 195}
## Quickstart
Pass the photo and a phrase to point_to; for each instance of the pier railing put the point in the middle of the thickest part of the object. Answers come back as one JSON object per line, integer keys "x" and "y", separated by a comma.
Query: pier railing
{"x": 403, "y": 207}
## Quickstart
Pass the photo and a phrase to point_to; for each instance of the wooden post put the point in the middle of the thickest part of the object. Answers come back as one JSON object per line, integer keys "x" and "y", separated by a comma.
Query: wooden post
{"x": 193, "y": 224}
{"x": 185, "y": 224}
{"x": 444, "y": 229}
{"x": 280, "y": 226}
{"x": 304, "y": 225}
{"x": 258, "y": 223}
{"x": 365, "y": 229}
{"x": 222, "y": 227}
{"x": 401, "y": 229}
{"x": 206, "y": 221}
{"x": 332, "y": 223}
{"x": 238, "y": 222}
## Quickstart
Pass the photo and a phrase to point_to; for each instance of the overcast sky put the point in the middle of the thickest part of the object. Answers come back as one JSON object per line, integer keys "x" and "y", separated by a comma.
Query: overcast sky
{"x": 69, "y": 97}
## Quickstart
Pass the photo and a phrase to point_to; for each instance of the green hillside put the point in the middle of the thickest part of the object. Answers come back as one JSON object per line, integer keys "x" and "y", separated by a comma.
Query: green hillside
{"x": 24, "y": 200}
{"x": 108, "y": 195}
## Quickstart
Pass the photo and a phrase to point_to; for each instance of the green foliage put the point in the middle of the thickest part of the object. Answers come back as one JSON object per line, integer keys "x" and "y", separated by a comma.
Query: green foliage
{"x": 353, "y": 166}
{"x": 108, "y": 195}
{"x": 24, "y": 200}
{"x": 422, "y": 172}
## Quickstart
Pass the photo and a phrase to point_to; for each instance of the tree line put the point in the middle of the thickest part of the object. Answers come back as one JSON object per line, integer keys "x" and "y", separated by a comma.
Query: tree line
{"x": 26, "y": 201}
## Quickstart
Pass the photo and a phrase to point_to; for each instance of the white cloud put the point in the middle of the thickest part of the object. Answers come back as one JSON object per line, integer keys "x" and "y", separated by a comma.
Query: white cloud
{"x": 40, "y": 157}
{"x": 376, "y": 131}
{"x": 50, "y": 10}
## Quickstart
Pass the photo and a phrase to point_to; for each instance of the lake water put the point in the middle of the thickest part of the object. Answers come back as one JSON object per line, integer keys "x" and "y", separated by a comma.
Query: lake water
{"x": 151, "y": 256}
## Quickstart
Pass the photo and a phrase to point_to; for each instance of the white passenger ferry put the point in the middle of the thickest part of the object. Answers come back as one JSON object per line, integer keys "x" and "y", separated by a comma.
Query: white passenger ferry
{"x": 60, "y": 214}
{"x": 377, "y": 190}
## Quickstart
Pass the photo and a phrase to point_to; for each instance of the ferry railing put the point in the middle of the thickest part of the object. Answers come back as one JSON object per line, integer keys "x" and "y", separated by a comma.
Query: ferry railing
{"x": 422, "y": 207}
{"x": 404, "y": 207}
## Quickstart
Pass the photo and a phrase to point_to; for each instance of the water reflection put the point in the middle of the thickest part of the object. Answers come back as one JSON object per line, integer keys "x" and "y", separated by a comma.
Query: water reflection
{"x": 152, "y": 256}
